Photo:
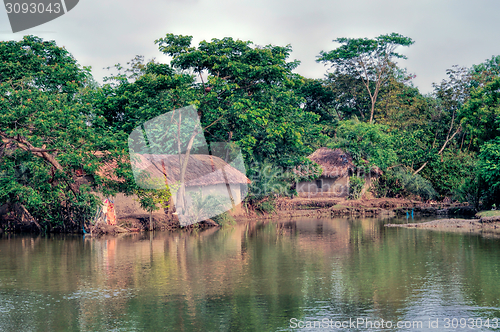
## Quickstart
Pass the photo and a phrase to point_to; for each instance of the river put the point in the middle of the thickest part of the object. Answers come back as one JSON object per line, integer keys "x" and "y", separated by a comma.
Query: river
{"x": 300, "y": 275}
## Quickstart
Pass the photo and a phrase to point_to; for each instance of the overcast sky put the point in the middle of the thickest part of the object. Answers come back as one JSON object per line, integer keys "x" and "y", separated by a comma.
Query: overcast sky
{"x": 447, "y": 32}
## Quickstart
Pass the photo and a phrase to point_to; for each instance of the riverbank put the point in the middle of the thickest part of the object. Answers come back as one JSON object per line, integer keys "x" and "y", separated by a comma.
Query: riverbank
{"x": 339, "y": 207}
{"x": 488, "y": 223}
{"x": 285, "y": 208}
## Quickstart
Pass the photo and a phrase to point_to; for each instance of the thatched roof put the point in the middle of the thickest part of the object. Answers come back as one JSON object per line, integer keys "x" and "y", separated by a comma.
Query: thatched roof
{"x": 202, "y": 170}
{"x": 335, "y": 163}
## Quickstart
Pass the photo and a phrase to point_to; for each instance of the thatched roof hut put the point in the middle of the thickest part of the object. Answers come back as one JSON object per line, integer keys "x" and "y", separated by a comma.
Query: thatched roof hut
{"x": 202, "y": 170}
{"x": 335, "y": 163}
{"x": 337, "y": 167}
{"x": 205, "y": 174}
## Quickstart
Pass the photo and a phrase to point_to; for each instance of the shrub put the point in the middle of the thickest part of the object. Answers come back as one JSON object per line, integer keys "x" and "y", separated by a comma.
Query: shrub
{"x": 224, "y": 219}
{"x": 400, "y": 182}
{"x": 268, "y": 182}
{"x": 355, "y": 187}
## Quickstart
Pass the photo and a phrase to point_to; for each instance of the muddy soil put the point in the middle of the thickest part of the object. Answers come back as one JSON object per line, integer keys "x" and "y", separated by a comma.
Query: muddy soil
{"x": 488, "y": 226}
{"x": 337, "y": 207}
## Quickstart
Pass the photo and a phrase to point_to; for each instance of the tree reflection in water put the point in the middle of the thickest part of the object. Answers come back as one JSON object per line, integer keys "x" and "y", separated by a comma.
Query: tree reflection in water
{"x": 253, "y": 276}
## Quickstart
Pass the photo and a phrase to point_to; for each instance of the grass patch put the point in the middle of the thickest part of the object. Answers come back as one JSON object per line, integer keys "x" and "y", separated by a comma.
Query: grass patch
{"x": 224, "y": 219}
{"x": 488, "y": 213}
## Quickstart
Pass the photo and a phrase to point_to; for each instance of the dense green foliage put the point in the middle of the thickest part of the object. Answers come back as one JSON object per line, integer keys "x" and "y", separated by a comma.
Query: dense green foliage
{"x": 402, "y": 182}
{"x": 57, "y": 124}
{"x": 50, "y": 133}
{"x": 490, "y": 170}
{"x": 366, "y": 142}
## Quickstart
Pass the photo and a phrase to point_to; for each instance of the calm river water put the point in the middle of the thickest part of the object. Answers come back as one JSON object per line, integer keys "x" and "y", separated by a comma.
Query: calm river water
{"x": 309, "y": 275}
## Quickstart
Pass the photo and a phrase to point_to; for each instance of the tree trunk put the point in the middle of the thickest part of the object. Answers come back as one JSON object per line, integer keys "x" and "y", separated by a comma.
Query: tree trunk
{"x": 372, "y": 111}
{"x": 150, "y": 220}
{"x": 181, "y": 194}
{"x": 183, "y": 162}
{"x": 228, "y": 187}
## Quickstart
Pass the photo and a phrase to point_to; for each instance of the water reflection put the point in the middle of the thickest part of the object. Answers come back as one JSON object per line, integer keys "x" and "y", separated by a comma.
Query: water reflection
{"x": 254, "y": 276}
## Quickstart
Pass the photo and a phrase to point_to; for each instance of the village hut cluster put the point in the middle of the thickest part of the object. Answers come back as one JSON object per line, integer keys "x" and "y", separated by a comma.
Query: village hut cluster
{"x": 210, "y": 176}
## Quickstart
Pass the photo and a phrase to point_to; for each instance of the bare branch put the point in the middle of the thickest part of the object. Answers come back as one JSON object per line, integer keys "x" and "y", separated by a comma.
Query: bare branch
{"x": 440, "y": 151}
{"x": 42, "y": 153}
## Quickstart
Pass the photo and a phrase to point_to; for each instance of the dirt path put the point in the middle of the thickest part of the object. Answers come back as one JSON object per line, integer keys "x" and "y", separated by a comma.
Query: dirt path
{"x": 484, "y": 226}
{"x": 382, "y": 203}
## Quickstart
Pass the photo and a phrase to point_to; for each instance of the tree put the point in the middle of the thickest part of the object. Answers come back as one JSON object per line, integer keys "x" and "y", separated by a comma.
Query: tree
{"x": 336, "y": 98}
{"x": 152, "y": 200}
{"x": 367, "y": 59}
{"x": 350, "y": 95}
{"x": 480, "y": 115}
{"x": 50, "y": 68}
{"x": 366, "y": 142}
{"x": 249, "y": 93}
{"x": 49, "y": 133}
{"x": 485, "y": 72}
{"x": 444, "y": 124}
{"x": 490, "y": 169}
{"x": 401, "y": 105}
{"x": 253, "y": 90}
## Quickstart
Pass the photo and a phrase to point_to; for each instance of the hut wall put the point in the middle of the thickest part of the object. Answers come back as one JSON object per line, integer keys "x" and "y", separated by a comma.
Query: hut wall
{"x": 369, "y": 182}
{"x": 219, "y": 190}
{"x": 338, "y": 187}
{"x": 128, "y": 206}
{"x": 216, "y": 189}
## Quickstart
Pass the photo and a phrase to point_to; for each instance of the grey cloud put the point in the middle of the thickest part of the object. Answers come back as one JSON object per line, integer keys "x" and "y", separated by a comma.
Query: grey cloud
{"x": 102, "y": 33}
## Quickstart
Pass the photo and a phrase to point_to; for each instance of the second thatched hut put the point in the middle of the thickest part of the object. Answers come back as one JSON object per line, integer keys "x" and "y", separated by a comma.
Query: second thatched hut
{"x": 334, "y": 181}
{"x": 337, "y": 167}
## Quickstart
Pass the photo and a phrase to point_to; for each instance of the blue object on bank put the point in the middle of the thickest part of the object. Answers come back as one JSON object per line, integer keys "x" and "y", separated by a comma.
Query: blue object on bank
{"x": 412, "y": 214}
